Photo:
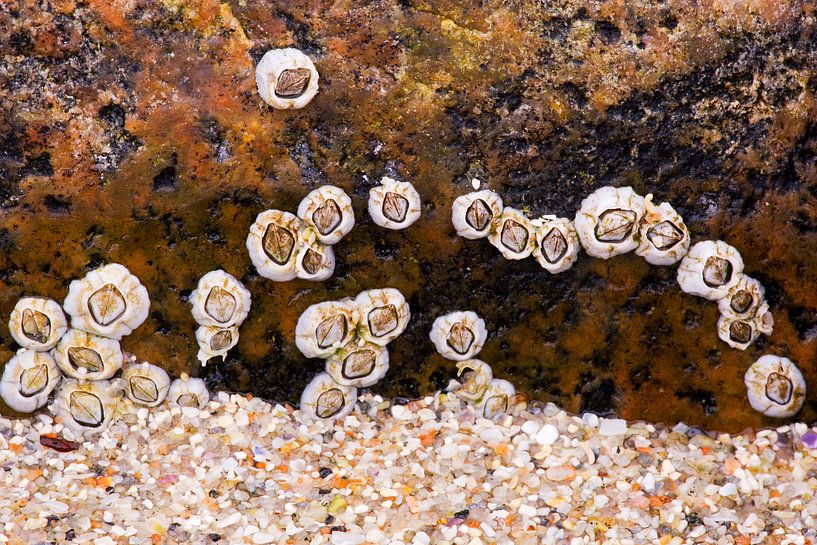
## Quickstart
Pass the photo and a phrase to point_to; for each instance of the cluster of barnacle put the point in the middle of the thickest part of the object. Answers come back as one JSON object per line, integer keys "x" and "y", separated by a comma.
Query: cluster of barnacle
{"x": 221, "y": 303}
{"x": 613, "y": 221}
{"x": 460, "y": 336}
{"x": 352, "y": 336}
{"x": 104, "y": 306}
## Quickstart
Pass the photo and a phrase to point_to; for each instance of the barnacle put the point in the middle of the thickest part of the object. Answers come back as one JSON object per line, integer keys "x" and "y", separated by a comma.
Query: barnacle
{"x": 220, "y": 300}
{"x": 274, "y": 243}
{"x": 286, "y": 78}
{"x": 744, "y": 299}
{"x": 458, "y": 335}
{"x": 358, "y": 364}
{"x": 664, "y": 238}
{"x": 498, "y": 398}
{"x": 328, "y": 210}
{"x": 741, "y": 332}
{"x": 556, "y": 244}
{"x": 323, "y": 328}
{"x": 475, "y": 377}
{"x": 86, "y": 356}
{"x": 28, "y": 379}
{"x": 188, "y": 392}
{"x": 86, "y": 407}
{"x": 325, "y": 398}
{"x": 384, "y": 315}
{"x": 513, "y": 234}
{"x": 315, "y": 261}
{"x": 607, "y": 222}
{"x": 215, "y": 342}
{"x": 474, "y": 214}
{"x": 710, "y": 269}
{"x": 109, "y": 302}
{"x": 37, "y": 323}
{"x": 394, "y": 204}
{"x": 775, "y": 386}
{"x": 145, "y": 384}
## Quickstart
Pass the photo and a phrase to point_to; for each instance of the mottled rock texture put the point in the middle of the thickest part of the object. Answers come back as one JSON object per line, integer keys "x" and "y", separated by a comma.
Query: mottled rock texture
{"x": 131, "y": 132}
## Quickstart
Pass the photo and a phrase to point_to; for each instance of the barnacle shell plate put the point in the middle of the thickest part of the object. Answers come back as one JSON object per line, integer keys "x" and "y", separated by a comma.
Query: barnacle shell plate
{"x": 323, "y": 328}
{"x": 474, "y": 214}
{"x": 710, "y": 269}
{"x": 286, "y": 78}
{"x": 744, "y": 299}
{"x": 324, "y": 398}
{"x": 86, "y": 407}
{"x": 315, "y": 261}
{"x": 215, "y": 342}
{"x": 383, "y": 313}
{"x": 85, "y": 356}
{"x": 740, "y": 333}
{"x": 28, "y": 379}
{"x": 358, "y": 364}
{"x": 145, "y": 384}
{"x": 513, "y": 234}
{"x": 664, "y": 238}
{"x": 607, "y": 221}
{"x": 498, "y": 399}
{"x": 775, "y": 386}
{"x": 393, "y": 204}
{"x": 220, "y": 300}
{"x": 188, "y": 392}
{"x": 328, "y": 210}
{"x": 274, "y": 243}
{"x": 458, "y": 335}
{"x": 556, "y": 243}
{"x": 37, "y": 323}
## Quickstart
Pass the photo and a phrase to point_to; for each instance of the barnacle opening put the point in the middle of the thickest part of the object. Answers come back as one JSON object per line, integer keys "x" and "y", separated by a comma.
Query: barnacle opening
{"x": 292, "y": 82}
{"x": 332, "y": 330}
{"x": 395, "y": 207}
{"x": 327, "y": 217}
{"x": 143, "y": 389}
{"x": 33, "y": 381}
{"x": 740, "y": 332}
{"x": 312, "y": 261}
{"x": 36, "y": 325}
{"x": 554, "y": 245}
{"x": 717, "y": 271}
{"x": 741, "y": 301}
{"x": 514, "y": 236}
{"x": 359, "y": 364}
{"x": 221, "y": 340}
{"x": 87, "y": 409}
{"x": 495, "y": 405}
{"x": 479, "y": 215}
{"x": 615, "y": 225}
{"x": 278, "y": 244}
{"x": 85, "y": 358}
{"x": 665, "y": 235}
{"x": 220, "y": 304}
{"x": 383, "y": 320}
{"x": 187, "y": 400}
{"x": 106, "y": 304}
{"x": 460, "y": 338}
{"x": 779, "y": 388}
{"x": 329, "y": 403}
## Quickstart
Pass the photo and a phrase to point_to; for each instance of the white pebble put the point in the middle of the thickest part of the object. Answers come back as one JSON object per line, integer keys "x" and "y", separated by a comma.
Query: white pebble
{"x": 547, "y": 435}
{"x": 613, "y": 426}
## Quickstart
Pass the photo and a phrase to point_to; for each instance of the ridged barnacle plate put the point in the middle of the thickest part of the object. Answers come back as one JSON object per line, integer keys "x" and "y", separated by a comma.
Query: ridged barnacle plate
{"x": 513, "y": 234}
{"x": 607, "y": 222}
{"x": 274, "y": 243}
{"x": 324, "y": 328}
{"x": 557, "y": 245}
{"x": 740, "y": 333}
{"x": 664, "y": 238}
{"x": 215, "y": 342}
{"x": 743, "y": 300}
{"x": 458, "y": 335}
{"x": 710, "y": 269}
{"x": 28, "y": 379}
{"x": 358, "y": 364}
{"x": 109, "y": 301}
{"x": 37, "y": 323}
{"x": 394, "y": 204}
{"x": 86, "y": 356}
{"x": 315, "y": 261}
{"x": 325, "y": 399}
{"x": 474, "y": 378}
{"x": 220, "y": 300}
{"x": 145, "y": 384}
{"x": 498, "y": 399}
{"x": 86, "y": 407}
{"x": 474, "y": 214}
{"x": 286, "y": 78}
{"x": 384, "y": 315}
{"x": 775, "y": 386}
{"x": 188, "y": 392}
{"x": 329, "y": 211}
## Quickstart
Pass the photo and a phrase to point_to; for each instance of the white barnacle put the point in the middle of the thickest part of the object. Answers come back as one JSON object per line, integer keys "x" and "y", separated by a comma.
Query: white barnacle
{"x": 220, "y": 300}
{"x": 37, "y": 323}
{"x": 188, "y": 392}
{"x": 145, "y": 384}
{"x": 328, "y": 210}
{"x": 315, "y": 261}
{"x": 710, "y": 269}
{"x": 512, "y": 234}
{"x": 274, "y": 243}
{"x": 383, "y": 315}
{"x": 358, "y": 364}
{"x": 498, "y": 399}
{"x": 109, "y": 301}
{"x": 28, "y": 379}
{"x": 215, "y": 342}
{"x": 557, "y": 245}
{"x": 86, "y": 356}
{"x": 775, "y": 386}
{"x": 607, "y": 222}
{"x": 474, "y": 378}
{"x": 324, "y": 398}
{"x": 86, "y": 407}
{"x": 324, "y": 328}
{"x": 287, "y": 79}
{"x": 664, "y": 238}
{"x": 743, "y": 300}
{"x": 458, "y": 335}
{"x": 473, "y": 214}
{"x": 393, "y": 204}
{"x": 741, "y": 332}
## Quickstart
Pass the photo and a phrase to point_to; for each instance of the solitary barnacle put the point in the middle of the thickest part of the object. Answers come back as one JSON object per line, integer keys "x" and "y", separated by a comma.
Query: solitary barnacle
{"x": 513, "y": 234}
{"x": 775, "y": 386}
{"x": 384, "y": 315}
{"x": 393, "y": 204}
{"x": 710, "y": 269}
{"x": 37, "y": 323}
{"x": 556, "y": 246}
{"x": 358, "y": 364}
{"x": 86, "y": 356}
{"x": 86, "y": 407}
{"x": 324, "y": 398}
{"x": 474, "y": 378}
{"x": 741, "y": 332}
{"x": 286, "y": 78}
{"x": 459, "y": 335}
{"x": 475, "y": 213}
{"x": 109, "y": 301}
{"x": 607, "y": 222}
{"x": 498, "y": 398}
{"x": 274, "y": 243}
{"x": 664, "y": 238}
{"x": 328, "y": 210}
{"x": 315, "y": 261}
{"x": 220, "y": 300}
{"x": 215, "y": 342}
{"x": 28, "y": 379}
{"x": 145, "y": 384}
{"x": 744, "y": 299}
{"x": 325, "y": 327}
{"x": 188, "y": 392}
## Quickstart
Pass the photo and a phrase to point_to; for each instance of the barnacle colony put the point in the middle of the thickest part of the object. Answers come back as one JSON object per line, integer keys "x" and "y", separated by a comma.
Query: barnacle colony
{"x": 37, "y": 323}
{"x": 286, "y": 78}
{"x": 775, "y": 386}
{"x": 220, "y": 305}
{"x": 394, "y": 204}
